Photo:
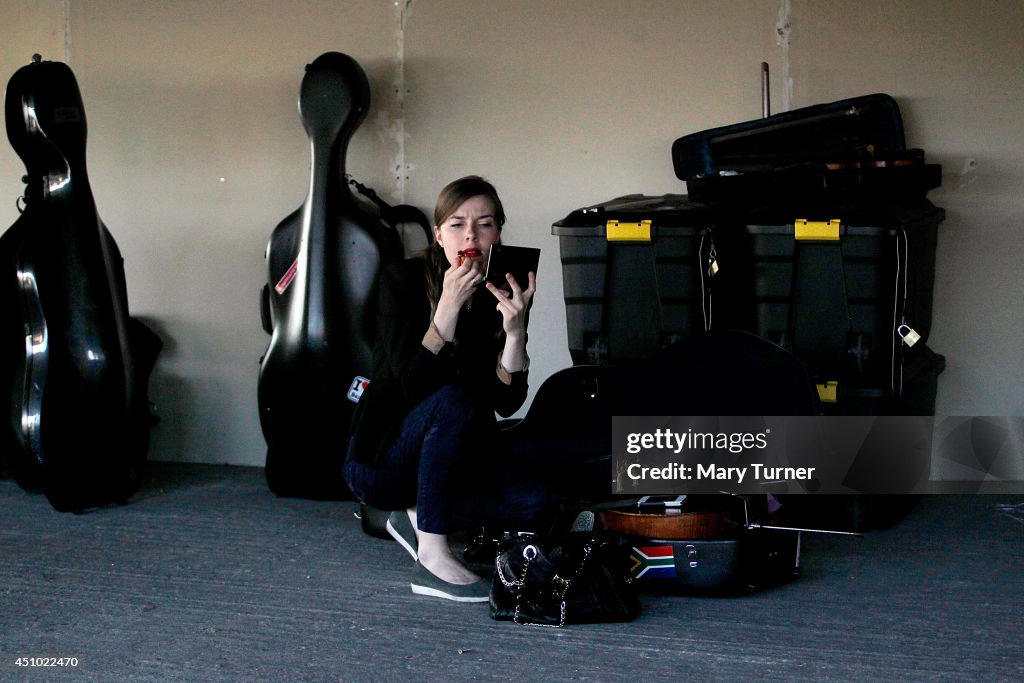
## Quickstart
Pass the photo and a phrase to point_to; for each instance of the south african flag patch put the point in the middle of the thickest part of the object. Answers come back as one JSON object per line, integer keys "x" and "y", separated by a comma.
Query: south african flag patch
{"x": 652, "y": 562}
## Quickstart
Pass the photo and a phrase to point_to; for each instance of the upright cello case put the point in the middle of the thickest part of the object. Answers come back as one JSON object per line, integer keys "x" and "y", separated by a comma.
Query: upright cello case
{"x": 76, "y": 365}
{"x": 323, "y": 260}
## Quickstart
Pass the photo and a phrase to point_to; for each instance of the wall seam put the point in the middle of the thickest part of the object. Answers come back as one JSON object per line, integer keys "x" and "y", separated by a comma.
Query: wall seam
{"x": 783, "y": 31}
{"x": 67, "y": 31}
{"x": 397, "y": 128}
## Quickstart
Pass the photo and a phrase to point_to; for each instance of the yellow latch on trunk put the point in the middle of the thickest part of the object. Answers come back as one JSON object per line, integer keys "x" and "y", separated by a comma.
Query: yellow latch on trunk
{"x": 828, "y": 392}
{"x": 620, "y": 231}
{"x": 804, "y": 229}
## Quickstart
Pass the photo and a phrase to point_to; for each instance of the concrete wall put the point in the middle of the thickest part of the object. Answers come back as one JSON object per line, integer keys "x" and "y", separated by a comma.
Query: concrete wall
{"x": 196, "y": 150}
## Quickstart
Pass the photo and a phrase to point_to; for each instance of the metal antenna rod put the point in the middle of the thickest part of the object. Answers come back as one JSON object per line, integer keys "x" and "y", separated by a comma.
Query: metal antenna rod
{"x": 766, "y": 107}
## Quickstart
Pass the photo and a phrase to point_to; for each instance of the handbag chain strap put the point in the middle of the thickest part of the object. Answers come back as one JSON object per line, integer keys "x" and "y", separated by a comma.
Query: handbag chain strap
{"x": 530, "y": 552}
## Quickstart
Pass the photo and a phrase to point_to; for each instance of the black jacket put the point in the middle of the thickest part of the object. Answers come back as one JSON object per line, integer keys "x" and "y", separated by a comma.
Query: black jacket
{"x": 406, "y": 371}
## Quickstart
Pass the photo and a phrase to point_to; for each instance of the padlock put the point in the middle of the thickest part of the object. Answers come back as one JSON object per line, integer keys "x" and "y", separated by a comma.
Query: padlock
{"x": 908, "y": 334}
{"x": 712, "y": 261}
{"x": 713, "y": 267}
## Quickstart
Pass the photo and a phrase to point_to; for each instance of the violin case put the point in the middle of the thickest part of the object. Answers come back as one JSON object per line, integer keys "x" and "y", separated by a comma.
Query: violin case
{"x": 323, "y": 263}
{"x": 748, "y": 560}
{"x": 75, "y": 364}
{"x": 849, "y": 150}
{"x": 700, "y": 543}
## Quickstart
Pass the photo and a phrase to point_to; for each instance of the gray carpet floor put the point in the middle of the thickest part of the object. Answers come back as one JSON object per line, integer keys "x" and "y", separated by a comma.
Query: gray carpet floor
{"x": 206, "y": 576}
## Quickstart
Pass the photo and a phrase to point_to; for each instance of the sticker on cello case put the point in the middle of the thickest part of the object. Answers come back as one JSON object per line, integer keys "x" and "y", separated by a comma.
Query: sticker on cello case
{"x": 356, "y": 389}
{"x": 287, "y": 278}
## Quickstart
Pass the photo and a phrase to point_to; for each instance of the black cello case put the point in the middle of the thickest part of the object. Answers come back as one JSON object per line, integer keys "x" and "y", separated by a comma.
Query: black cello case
{"x": 323, "y": 261}
{"x": 76, "y": 365}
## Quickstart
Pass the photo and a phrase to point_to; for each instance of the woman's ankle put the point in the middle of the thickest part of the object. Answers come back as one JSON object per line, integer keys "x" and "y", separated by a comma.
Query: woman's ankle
{"x": 436, "y": 556}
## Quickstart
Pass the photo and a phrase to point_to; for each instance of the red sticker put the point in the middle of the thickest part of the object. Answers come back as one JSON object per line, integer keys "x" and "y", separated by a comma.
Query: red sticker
{"x": 287, "y": 278}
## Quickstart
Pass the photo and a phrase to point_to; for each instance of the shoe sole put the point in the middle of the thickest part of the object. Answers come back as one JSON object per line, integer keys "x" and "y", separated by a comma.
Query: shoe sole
{"x": 401, "y": 541}
{"x": 435, "y": 593}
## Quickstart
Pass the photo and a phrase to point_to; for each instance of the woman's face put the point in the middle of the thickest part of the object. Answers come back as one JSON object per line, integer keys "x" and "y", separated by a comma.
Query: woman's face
{"x": 472, "y": 226}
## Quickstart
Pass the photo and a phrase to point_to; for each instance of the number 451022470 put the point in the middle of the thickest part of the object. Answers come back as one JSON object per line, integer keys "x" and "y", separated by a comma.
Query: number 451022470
{"x": 46, "y": 661}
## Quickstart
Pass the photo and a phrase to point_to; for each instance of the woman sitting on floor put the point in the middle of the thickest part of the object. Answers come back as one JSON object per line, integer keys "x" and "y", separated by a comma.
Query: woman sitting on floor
{"x": 450, "y": 352}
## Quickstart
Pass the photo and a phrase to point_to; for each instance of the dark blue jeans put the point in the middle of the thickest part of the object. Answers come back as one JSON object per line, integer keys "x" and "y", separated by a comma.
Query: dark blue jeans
{"x": 450, "y": 463}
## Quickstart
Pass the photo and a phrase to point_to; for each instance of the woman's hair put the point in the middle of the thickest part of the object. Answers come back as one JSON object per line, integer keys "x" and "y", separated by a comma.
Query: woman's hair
{"x": 451, "y": 198}
{"x": 457, "y": 192}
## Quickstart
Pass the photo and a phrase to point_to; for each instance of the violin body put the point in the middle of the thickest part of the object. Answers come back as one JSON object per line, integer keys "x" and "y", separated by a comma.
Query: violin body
{"x": 74, "y": 362}
{"x": 323, "y": 261}
{"x": 681, "y": 525}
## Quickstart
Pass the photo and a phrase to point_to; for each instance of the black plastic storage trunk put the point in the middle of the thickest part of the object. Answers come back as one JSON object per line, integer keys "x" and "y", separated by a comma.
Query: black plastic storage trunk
{"x": 840, "y": 286}
{"x": 632, "y": 274}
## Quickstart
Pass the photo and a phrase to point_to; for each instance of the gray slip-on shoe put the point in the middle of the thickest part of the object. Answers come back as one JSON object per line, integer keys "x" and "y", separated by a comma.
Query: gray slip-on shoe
{"x": 400, "y": 527}
{"x": 424, "y": 582}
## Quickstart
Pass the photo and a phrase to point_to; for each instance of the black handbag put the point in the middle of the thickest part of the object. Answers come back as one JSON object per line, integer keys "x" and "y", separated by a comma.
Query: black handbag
{"x": 571, "y": 578}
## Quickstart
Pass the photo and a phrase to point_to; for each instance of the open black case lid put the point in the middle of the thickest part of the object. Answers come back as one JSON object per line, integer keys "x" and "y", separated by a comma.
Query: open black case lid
{"x": 848, "y": 130}
{"x": 852, "y": 149}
